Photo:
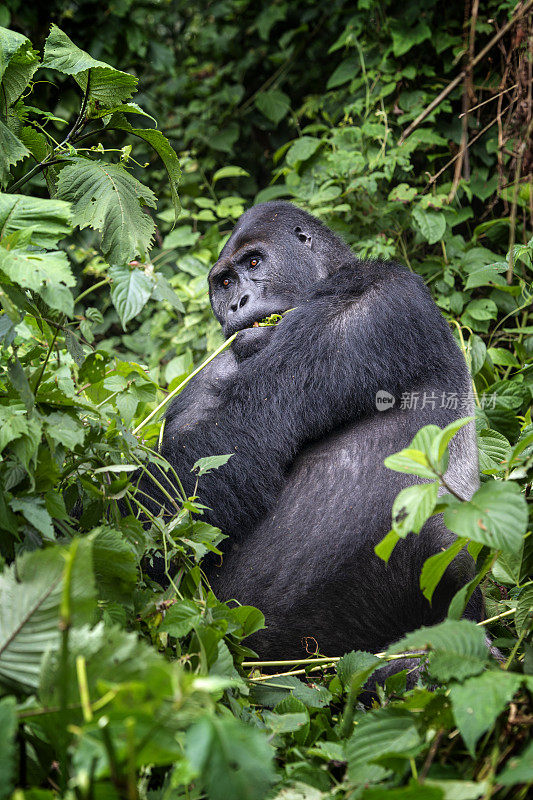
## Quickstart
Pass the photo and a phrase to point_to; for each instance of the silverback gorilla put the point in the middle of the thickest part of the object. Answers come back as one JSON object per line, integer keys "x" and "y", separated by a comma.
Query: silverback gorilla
{"x": 306, "y": 497}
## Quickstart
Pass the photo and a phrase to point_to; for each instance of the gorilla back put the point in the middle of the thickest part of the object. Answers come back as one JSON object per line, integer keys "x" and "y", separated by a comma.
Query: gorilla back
{"x": 306, "y": 497}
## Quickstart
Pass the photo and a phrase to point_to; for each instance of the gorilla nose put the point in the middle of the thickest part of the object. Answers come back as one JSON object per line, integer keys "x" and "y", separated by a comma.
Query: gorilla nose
{"x": 240, "y": 303}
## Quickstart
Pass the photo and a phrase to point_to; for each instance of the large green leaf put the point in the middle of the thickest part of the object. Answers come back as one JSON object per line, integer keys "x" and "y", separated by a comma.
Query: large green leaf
{"x": 435, "y": 567}
{"x": 273, "y": 104}
{"x": 18, "y": 62}
{"x": 412, "y": 507}
{"x": 457, "y": 648}
{"x": 377, "y": 734}
{"x": 108, "y": 198}
{"x": 49, "y": 220}
{"x": 496, "y": 516}
{"x": 162, "y": 147}
{"x": 432, "y": 224}
{"x": 48, "y": 274}
{"x": 130, "y": 291}
{"x": 11, "y": 151}
{"x": 519, "y": 769}
{"x": 494, "y": 450}
{"x": 10, "y": 42}
{"x": 232, "y": 760}
{"x": 302, "y": 149}
{"x": 108, "y": 86}
{"x": 29, "y": 613}
{"x": 478, "y": 702}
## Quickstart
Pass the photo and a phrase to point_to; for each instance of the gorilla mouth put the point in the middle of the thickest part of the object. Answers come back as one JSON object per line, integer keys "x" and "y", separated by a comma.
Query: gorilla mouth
{"x": 253, "y": 321}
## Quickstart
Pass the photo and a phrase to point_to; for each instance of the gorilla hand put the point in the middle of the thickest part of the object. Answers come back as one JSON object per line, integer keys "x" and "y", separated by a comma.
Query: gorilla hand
{"x": 251, "y": 340}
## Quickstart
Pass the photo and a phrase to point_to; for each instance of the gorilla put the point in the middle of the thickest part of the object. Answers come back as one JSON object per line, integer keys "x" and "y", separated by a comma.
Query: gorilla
{"x": 306, "y": 497}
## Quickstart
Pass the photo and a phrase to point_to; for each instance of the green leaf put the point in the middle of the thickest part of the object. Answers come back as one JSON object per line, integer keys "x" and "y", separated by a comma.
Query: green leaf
{"x": 404, "y": 37}
{"x": 33, "y": 509}
{"x": 435, "y": 567}
{"x": 205, "y": 465}
{"x": 482, "y": 309}
{"x": 108, "y": 198}
{"x": 412, "y": 507}
{"x": 476, "y": 353}
{"x": 48, "y": 220}
{"x": 285, "y": 723}
{"x": 524, "y": 610}
{"x": 432, "y": 224}
{"x": 273, "y": 104}
{"x": 130, "y": 291}
{"x": 496, "y": 516}
{"x": 12, "y": 150}
{"x": 460, "y": 599}
{"x": 458, "y": 648}
{"x": 458, "y": 790}
{"x": 302, "y": 149}
{"x": 183, "y": 236}
{"x": 377, "y": 734}
{"x": 346, "y": 70}
{"x": 8, "y": 759}
{"x": 31, "y": 269}
{"x": 488, "y": 275}
{"x": 19, "y": 379}
{"x": 180, "y": 618}
{"x": 519, "y": 769}
{"x": 18, "y": 62}
{"x": 352, "y": 663}
{"x": 479, "y": 701}
{"x": 10, "y": 43}
{"x": 232, "y": 760}
{"x": 412, "y": 461}
{"x": 108, "y": 85}
{"x": 502, "y": 357}
{"x": 115, "y": 565}
{"x": 164, "y": 150}
{"x": 494, "y": 451}
{"x": 402, "y": 193}
{"x": 29, "y": 612}
{"x": 384, "y": 548}
{"x": 230, "y": 172}
{"x": 163, "y": 291}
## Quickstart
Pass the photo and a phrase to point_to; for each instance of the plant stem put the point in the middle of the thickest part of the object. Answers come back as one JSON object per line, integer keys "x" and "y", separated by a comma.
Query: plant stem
{"x": 91, "y": 289}
{"x": 64, "y": 626}
{"x": 184, "y": 383}
{"x": 48, "y": 354}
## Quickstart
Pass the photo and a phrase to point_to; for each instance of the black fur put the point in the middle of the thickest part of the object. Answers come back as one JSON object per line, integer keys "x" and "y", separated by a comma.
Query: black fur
{"x": 306, "y": 497}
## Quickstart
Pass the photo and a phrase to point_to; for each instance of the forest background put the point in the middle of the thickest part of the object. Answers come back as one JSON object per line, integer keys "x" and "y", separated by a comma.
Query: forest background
{"x": 407, "y": 129}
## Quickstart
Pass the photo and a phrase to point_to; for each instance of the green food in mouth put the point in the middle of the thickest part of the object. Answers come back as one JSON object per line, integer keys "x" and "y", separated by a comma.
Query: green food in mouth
{"x": 273, "y": 319}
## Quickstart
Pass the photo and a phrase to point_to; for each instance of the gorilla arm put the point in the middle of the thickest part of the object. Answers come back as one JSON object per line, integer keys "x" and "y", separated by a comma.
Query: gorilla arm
{"x": 357, "y": 332}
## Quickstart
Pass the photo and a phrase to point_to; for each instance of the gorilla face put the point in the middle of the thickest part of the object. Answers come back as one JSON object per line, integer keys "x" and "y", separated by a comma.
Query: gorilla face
{"x": 269, "y": 262}
{"x": 243, "y": 287}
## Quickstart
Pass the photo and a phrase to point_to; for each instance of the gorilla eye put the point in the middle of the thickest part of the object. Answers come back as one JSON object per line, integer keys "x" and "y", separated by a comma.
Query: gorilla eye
{"x": 254, "y": 261}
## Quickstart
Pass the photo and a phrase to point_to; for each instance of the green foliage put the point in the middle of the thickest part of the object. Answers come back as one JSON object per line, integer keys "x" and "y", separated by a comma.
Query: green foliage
{"x": 111, "y": 687}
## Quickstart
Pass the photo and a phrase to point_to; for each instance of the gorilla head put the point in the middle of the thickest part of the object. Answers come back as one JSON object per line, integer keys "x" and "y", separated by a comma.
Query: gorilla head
{"x": 275, "y": 255}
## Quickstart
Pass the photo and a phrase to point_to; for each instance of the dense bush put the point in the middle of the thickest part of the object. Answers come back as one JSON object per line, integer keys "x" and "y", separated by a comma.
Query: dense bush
{"x": 109, "y": 687}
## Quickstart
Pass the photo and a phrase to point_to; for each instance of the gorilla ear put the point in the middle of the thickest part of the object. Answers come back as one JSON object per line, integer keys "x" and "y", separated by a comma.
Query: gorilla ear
{"x": 304, "y": 237}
